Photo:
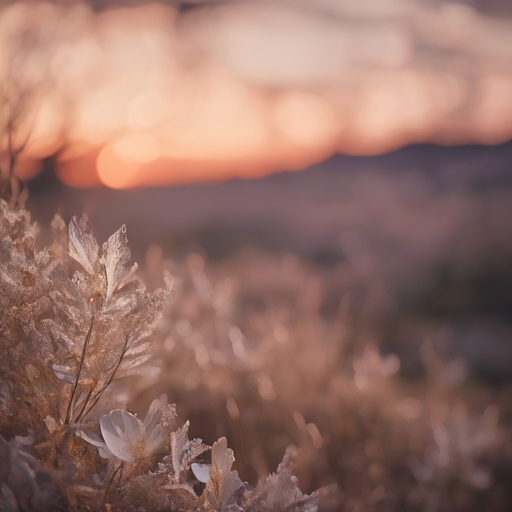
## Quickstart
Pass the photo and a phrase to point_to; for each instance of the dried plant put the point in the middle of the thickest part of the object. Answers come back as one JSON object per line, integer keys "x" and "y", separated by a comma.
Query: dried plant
{"x": 75, "y": 334}
{"x": 253, "y": 351}
{"x": 248, "y": 354}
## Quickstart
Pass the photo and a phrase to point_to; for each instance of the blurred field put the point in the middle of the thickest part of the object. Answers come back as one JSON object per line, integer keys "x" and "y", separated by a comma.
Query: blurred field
{"x": 426, "y": 230}
{"x": 359, "y": 309}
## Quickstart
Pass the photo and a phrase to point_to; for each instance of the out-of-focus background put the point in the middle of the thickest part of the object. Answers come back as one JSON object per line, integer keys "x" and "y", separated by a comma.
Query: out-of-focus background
{"x": 330, "y": 183}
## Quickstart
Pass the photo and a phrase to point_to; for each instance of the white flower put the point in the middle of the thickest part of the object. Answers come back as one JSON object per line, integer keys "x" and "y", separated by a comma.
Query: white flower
{"x": 201, "y": 472}
{"x": 128, "y": 438}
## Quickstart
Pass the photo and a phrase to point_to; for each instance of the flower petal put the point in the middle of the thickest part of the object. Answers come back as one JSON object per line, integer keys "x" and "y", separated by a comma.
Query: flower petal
{"x": 153, "y": 416}
{"x": 96, "y": 441}
{"x": 128, "y": 426}
{"x": 201, "y": 472}
{"x": 155, "y": 441}
{"x": 119, "y": 447}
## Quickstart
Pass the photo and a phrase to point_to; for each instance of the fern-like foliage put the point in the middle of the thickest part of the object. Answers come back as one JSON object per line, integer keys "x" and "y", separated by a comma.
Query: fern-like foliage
{"x": 75, "y": 320}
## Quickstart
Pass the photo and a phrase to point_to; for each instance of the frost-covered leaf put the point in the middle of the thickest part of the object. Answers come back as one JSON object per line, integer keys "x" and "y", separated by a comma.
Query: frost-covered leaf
{"x": 183, "y": 452}
{"x": 58, "y": 225}
{"x": 82, "y": 244}
{"x": 224, "y": 487}
{"x": 179, "y": 441}
{"x": 280, "y": 492}
{"x": 116, "y": 258}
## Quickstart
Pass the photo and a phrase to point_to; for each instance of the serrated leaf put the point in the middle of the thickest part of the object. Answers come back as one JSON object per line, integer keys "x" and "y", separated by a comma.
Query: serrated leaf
{"x": 116, "y": 258}
{"x": 281, "y": 492}
{"x": 224, "y": 485}
{"x": 179, "y": 440}
{"x": 82, "y": 244}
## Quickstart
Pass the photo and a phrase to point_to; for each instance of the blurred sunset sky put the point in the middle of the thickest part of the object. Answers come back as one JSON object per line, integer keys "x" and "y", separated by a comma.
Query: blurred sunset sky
{"x": 130, "y": 94}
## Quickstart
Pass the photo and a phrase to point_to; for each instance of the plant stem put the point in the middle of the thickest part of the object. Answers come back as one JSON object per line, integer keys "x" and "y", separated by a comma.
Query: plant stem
{"x": 89, "y": 393}
{"x": 109, "y": 381}
{"x": 120, "y": 467}
{"x": 82, "y": 359}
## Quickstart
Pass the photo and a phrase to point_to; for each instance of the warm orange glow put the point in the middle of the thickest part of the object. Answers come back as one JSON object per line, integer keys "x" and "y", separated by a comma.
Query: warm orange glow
{"x": 306, "y": 120}
{"x": 228, "y": 121}
{"x": 148, "y": 110}
{"x": 247, "y": 88}
{"x": 136, "y": 147}
{"x": 27, "y": 169}
{"x": 114, "y": 171}
{"x": 79, "y": 170}
{"x": 74, "y": 151}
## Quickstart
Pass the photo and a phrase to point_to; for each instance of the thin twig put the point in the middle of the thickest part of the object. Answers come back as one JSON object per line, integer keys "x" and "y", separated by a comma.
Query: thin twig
{"x": 108, "y": 382}
{"x": 82, "y": 359}
{"x": 120, "y": 474}
{"x": 120, "y": 467}
{"x": 89, "y": 393}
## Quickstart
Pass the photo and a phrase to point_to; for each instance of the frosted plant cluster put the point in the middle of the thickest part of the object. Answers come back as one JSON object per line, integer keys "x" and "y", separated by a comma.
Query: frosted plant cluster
{"x": 250, "y": 345}
{"x": 75, "y": 338}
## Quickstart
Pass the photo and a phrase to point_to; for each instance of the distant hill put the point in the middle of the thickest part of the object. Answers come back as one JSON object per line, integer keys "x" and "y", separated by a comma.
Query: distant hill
{"x": 297, "y": 211}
